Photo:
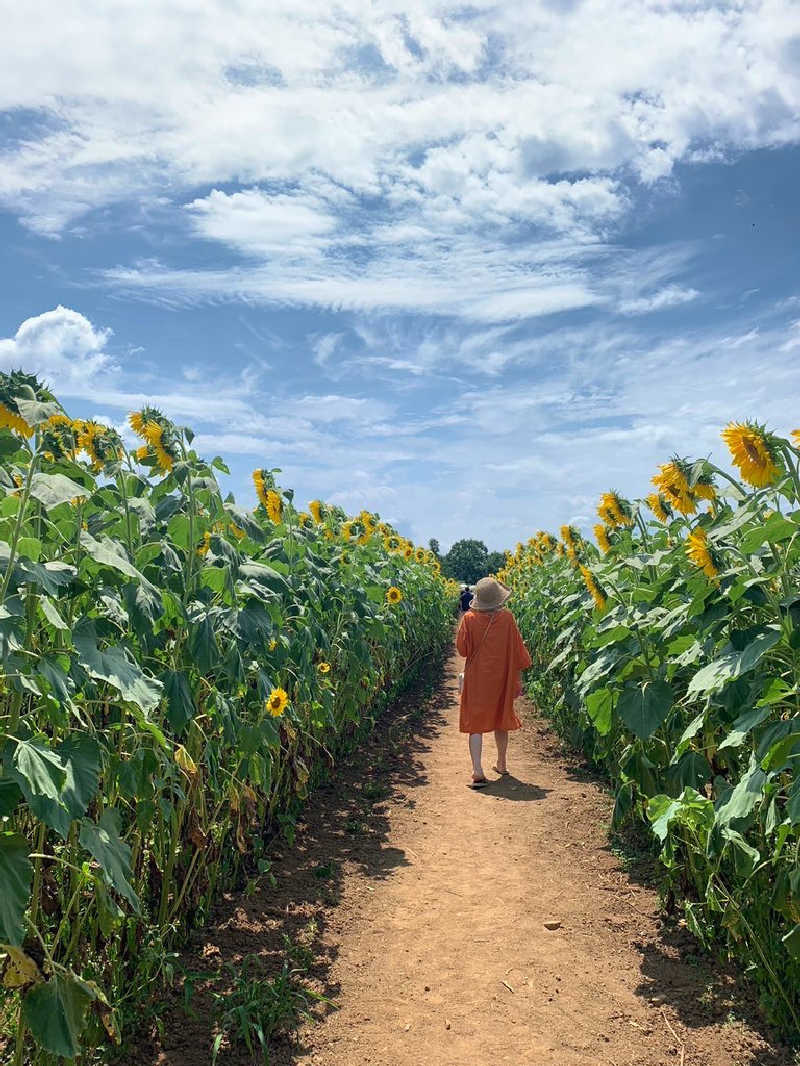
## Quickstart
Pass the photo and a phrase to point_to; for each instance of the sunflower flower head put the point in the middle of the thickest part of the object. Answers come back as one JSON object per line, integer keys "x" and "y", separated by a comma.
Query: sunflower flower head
{"x": 753, "y": 452}
{"x": 205, "y": 545}
{"x": 699, "y": 552}
{"x": 316, "y": 509}
{"x": 277, "y": 702}
{"x": 659, "y": 506}
{"x": 672, "y": 481}
{"x": 601, "y": 535}
{"x": 262, "y": 484}
{"x": 146, "y": 423}
{"x": 795, "y": 435}
{"x": 419, "y": 555}
{"x": 323, "y": 668}
{"x": 614, "y": 511}
{"x": 274, "y": 506}
{"x": 597, "y": 593}
{"x": 394, "y": 595}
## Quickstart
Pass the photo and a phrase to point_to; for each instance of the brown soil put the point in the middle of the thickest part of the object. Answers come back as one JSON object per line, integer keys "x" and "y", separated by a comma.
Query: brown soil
{"x": 455, "y": 926}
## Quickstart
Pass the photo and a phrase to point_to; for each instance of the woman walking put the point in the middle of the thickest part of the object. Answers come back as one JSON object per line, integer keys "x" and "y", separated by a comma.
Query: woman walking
{"x": 489, "y": 640}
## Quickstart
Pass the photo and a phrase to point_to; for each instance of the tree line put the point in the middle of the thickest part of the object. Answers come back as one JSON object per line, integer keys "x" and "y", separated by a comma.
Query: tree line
{"x": 468, "y": 560}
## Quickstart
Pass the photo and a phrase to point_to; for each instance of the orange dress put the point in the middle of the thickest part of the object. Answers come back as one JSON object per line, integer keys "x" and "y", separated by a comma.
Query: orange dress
{"x": 491, "y": 672}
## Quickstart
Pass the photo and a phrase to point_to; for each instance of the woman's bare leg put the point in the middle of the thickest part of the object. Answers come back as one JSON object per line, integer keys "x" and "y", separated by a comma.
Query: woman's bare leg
{"x": 475, "y": 750}
{"x": 501, "y": 739}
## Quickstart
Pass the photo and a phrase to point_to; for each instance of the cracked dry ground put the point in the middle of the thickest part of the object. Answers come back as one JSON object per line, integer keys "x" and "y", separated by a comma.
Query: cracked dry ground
{"x": 430, "y": 907}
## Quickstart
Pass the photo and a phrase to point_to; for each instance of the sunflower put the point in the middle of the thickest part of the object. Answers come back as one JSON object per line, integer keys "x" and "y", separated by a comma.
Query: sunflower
{"x": 59, "y": 437}
{"x": 136, "y": 420}
{"x": 238, "y": 533}
{"x": 753, "y": 453}
{"x": 141, "y": 453}
{"x": 419, "y": 555}
{"x": 672, "y": 481}
{"x": 324, "y": 668}
{"x": 205, "y": 545}
{"x": 13, "y": 420}
{"x": 659, "y": 506}
{"x": 165, "y": 459}
{"x": 315, "y": 507}
{"x": 704, "y": 489}
{"x": 277, "y": 702}
{"x": 273, "y": 644}
{"x": 391, "y": 543}
{"x": 147, "y": 424}
{"x": 568, "y": 536}
{"x": 304, "y": 519}
{"x": 408, "y": 552}
{"x": 274, "y": 506}
{"x": 699, "y": 552}
{"x": 601, "y": 534}
{"x": 394, "y": 595}
{"x": 613, "y": 510}
{"x": 796, "y": 437}
{"x": 260, "y": 483}
{"x": 592, "y": 586}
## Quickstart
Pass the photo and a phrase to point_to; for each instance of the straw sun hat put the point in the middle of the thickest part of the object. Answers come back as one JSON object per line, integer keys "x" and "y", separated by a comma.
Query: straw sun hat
{"x": 489, "y": 595}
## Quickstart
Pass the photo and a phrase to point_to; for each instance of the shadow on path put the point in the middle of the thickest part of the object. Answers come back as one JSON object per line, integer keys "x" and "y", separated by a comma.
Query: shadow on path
{"x": 343, "y": 829}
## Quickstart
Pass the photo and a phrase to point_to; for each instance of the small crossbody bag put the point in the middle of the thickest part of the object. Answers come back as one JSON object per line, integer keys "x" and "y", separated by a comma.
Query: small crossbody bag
{"x": 474, "y": 655}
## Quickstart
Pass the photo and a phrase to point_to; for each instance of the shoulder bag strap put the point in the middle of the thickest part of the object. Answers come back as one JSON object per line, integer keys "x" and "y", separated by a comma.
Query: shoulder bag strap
{"x": 474, "y": 655}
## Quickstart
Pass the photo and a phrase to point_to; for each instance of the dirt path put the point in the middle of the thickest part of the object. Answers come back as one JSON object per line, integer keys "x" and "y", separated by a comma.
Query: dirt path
{"x": 431, "y": 908}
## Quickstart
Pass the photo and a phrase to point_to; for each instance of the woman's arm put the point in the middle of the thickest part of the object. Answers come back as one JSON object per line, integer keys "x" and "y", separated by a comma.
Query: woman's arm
{"x": 462, "y": 638}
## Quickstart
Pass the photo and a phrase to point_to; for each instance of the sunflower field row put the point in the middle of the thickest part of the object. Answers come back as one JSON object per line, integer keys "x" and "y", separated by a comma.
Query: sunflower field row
{"x": 670, "y": 653}
{"x": 176, "y": 670}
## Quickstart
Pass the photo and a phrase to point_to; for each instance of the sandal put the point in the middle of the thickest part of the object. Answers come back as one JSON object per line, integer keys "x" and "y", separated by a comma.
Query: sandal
{"x": 503, "y": 773}
{"x": 481, "y": 782}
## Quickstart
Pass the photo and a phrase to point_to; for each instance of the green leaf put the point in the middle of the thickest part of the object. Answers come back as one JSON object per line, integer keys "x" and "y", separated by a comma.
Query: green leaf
{"x": 745, "y": 857}
{"x": 80, "y": 756}
{"x": 109, "y": 553}
{"x": 793, "y": 802}
{"x": 660, "y": 811}
{"x": 599, "y": 705}
{"x": 180, "y": 704}
{"x": 643, "y": 707}
{"x": 37, "y": 411}
{"x": 10, "y": 795}
{"x": 16, "y": 873}
{"x": 203, "y": 644}
{"x": 50, "y": 611}
{"x": 775, "y": 530}
{"x": 51, "y": 490}
{"x": 112, "y": 665}
{"x": 218, "y": 464}
{"x": 689, "y": 733}
{"x": 734, "y": 662}
{"x": 748, "y": 792}
{"x": 106, "y": 846}
{"x": 37, "y": 769}
{"x": 742, "y": 726}
{"x": 791, "y": 942}
{"x": 51, "y": 670}
{"x": 55, "y": 1012}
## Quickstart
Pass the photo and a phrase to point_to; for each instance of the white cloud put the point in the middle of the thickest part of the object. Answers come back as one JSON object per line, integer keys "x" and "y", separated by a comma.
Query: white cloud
{"x": 368, "y": 145}
{"x": 63, "y": 348}
{"x": 671, "y": 296}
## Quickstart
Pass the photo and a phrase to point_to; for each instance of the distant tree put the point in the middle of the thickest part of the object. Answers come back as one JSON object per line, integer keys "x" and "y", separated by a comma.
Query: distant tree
{"x": 467, "y": 561}
{"x": 433, "y": 544}
{"x": 496, "y": 561}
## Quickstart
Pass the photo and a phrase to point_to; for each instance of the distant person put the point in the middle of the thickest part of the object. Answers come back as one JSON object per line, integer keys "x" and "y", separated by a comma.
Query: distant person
{"x": 465, "y": 599}
{"x": 489, "y": 640}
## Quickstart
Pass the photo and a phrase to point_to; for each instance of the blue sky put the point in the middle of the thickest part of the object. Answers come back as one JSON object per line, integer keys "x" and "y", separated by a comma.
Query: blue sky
{"x": 468, "y": 266}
